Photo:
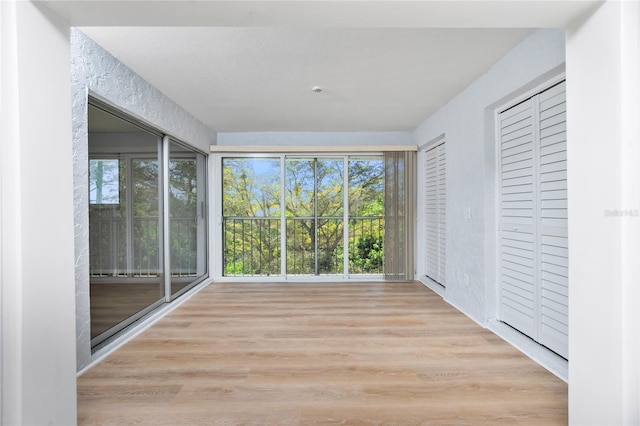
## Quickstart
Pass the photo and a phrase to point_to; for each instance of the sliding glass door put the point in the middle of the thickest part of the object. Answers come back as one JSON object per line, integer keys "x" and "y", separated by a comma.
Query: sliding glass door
{"x": 314, "y": 200}
{"x": 332, "y": 223}
{"x": 138, "y": 183}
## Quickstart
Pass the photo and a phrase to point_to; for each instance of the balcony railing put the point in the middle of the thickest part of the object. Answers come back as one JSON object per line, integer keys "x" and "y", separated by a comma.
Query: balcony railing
{"x": 252, "y": 246}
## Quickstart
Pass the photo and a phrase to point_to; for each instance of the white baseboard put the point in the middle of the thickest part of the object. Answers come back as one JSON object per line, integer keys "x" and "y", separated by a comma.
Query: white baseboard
{"x": 548, "y": 359}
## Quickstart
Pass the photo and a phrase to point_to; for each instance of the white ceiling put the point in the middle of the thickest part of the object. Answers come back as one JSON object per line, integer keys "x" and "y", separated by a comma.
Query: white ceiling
{"x": 250, "y": 65}
{"x": 260, "y": 79}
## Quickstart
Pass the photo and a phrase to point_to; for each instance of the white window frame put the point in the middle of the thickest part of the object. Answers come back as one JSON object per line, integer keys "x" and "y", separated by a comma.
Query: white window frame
{"x": 221, "y": 152}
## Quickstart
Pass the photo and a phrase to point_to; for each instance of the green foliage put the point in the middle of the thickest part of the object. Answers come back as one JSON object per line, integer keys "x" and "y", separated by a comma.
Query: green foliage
{"x": 313, "y": 195}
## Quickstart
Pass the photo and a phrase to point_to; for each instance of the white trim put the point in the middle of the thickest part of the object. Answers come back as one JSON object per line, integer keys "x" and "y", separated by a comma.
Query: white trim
{"x": 427, "y": 146}
{"x": 215, "y": 214}
{"x": 437, "y": 288}
{"x": 217, "y": 232}
{"x": 166, "y": 243}
{"x": 546, "y": 358}
{"x": 283, "y": 219}
{"x": 210, "y": 196}
{"x": 514, "y": 99}
{"x": 345, "y": 217}
{"x": 279, "y": 149}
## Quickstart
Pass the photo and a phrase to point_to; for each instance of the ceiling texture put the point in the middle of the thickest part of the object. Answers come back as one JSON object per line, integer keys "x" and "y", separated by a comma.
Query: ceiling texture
{"x": 242, "y": 66}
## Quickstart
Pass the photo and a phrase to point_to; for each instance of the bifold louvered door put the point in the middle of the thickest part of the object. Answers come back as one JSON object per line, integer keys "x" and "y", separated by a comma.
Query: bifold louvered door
{"x": 533, "y": 218}
{"x": 436, "y": 200}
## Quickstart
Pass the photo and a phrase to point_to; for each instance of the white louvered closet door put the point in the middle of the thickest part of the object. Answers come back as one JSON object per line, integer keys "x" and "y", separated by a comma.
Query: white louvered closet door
{"x": 436, "y": 200}
{"x": 553, "y": 243}
{"x": 517, "y": 243}
{"x": 533, "y": 215}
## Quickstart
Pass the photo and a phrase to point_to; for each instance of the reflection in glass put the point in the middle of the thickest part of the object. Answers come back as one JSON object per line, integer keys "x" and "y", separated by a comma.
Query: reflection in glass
{"x": 104, "y": 181}
{"x": 125, "y": 231}
{"x": 187, "y": 222}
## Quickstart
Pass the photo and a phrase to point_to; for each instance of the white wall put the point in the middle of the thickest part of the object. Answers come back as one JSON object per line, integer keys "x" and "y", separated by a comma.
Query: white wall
{"x": 467, "y": 123}
{"x": 95, "y": 71}
{"x": 38, "y": 304}
{"x": 314, "y": 138}
{"x": 604, "y": 177}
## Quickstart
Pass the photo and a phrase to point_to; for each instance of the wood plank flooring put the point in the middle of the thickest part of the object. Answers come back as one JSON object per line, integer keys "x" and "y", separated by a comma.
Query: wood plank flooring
{"x": 307, "y": 354}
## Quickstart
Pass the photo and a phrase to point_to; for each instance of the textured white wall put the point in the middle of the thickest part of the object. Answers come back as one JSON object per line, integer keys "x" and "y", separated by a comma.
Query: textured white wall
{"x": 38, "y": 324}
{"x": 96, "y": 71}
{"x": 603, "y": 96}
{"x": 467, "y": 124}
{"x": 314, "y": 138}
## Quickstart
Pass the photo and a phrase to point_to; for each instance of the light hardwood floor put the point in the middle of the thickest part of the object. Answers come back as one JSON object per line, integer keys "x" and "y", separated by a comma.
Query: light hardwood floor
{"x": 306, "y": 354}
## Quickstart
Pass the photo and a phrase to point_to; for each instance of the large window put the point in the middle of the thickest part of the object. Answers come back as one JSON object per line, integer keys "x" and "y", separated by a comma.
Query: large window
{"x": 303, "y": 216}
{"x": 147, "y": 228}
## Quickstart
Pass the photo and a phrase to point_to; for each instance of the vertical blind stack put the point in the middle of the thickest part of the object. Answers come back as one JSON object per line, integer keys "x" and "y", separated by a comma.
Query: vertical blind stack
{"x": 400, "y": 201}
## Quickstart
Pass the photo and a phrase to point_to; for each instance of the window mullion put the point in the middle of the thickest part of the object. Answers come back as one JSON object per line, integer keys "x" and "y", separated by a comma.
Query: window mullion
{"x": 315, "y": 213}
{"x": 283, "y": 220}
{"x": 345, "y": 217}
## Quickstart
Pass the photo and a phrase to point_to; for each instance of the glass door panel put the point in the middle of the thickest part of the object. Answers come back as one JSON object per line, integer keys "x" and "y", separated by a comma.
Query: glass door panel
{"x": 366, "y": 215}
{"x": 251, "y": 216}
{"x": 330, "y": 215}
{"x": 187, "y": 217}
{"x": 300, "y": 205}
{"x": 315, "y": 208}
{"x": 125, "y": 231}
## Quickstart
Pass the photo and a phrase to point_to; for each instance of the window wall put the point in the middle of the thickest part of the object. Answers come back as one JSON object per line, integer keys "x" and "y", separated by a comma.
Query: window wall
{"x": 147, "y": 227}
{"x": 302, "y": 216}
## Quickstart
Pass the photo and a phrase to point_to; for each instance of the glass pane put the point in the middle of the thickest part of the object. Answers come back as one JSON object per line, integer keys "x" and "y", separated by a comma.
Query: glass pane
{"x": 301, "y": 258}
{"x": 330, "y": 187}
{"x": 330, "y": 196}
{"x": 300, "y": 188}
{"x": 187, "y": 222}
{"x": 124, "y": 223}
{"x": 315, "y": 207}
{"x": 146, "y": 217}
{"x": 104, "y": 181}
{"x": 251, "y": 216}
{"x": 330, "y": 246}
{"x": 366, "y": 215}
{"x": 300, "y": 211}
